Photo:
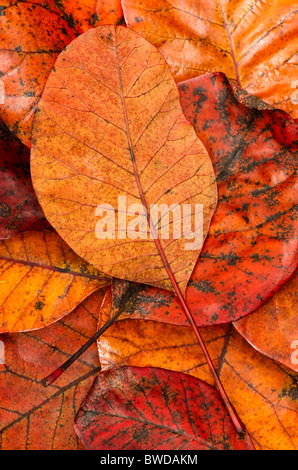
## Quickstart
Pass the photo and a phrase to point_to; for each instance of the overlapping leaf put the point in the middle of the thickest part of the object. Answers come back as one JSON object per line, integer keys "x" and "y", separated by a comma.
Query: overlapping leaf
{"x": 41, "y": 280}
{"x": 91, "y": 13}
{"x": 19, "y": 208}
{"x": 146, "y": 408}
{"x": 35, "y": 418}
{"x": 110, "y": 124}
{"x": 32, "y": 34}
{"x": 273, "y": 328}
{"x": 253, "y": 43}
{"x": 251, "y": 248}
{"x": 263, "y": 392}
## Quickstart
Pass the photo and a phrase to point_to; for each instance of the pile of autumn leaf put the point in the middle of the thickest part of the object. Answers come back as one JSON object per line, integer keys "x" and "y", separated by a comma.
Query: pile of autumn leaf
{"x": 234, "y": 65}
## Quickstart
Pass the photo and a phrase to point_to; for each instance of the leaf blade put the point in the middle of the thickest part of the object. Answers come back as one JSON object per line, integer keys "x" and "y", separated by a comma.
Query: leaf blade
{"x": 41, "y": 281}
{"x": 227, "y": 37}
{"x": 129, "y": 158}
{"x": 147, "y": 408}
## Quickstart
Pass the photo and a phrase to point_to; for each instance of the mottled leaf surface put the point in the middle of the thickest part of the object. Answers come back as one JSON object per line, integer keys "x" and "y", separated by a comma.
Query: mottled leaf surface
{"x": 31, "y": 36}
{"x": 251, "y": 248}
{"x": 147, "y": 408}
{"x": 91, "y": 13}
{"x": 263, "y": 391}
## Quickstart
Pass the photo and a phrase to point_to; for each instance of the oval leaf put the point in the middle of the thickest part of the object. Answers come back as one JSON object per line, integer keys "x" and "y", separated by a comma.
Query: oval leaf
{"x": 41, "y": 280}
{"x": 110, "y": 124}
{"x": 136, "y": 408}
{"x": 252, "y": 43}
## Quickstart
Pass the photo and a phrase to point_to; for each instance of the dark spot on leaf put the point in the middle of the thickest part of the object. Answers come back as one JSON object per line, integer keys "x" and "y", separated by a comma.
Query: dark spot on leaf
{"x": 39, "y": 305}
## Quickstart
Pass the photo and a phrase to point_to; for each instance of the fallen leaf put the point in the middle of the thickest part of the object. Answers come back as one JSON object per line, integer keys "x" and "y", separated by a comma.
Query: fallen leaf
{"x": 109, "y": 124}
{"x": 31, "y": 36}
{"x": 42, "y": 280}
{"x": 33, "y": 417}
{"x": 19, "y": 208}
{"x": 251, "y": 247}
{"x": 253, "y": 44}
{"x": 263, "y": 392}
{"x": 33, "y": 33}
{"x": 273, "y": 328}
{"x": 148, "y": 343}
{"x": 132, "y": 408}
{"x": 91, "y": 13}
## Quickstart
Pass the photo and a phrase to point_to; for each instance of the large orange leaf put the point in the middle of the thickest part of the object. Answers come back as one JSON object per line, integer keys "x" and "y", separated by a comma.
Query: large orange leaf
{"x": 273, "y": 328}
{"x": 109, "y": 124}
{"x": 33, "y": 417}
{"x": 253, "y": 43}
{"x": 41, "y": 280}
{"x": 263, "y": 392}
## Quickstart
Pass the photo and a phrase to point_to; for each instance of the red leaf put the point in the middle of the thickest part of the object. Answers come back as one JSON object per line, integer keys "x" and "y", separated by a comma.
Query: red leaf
{"x": 148, "y": 408}
{"x": 251, "y": 248}
{"x": 19, "y": 208}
